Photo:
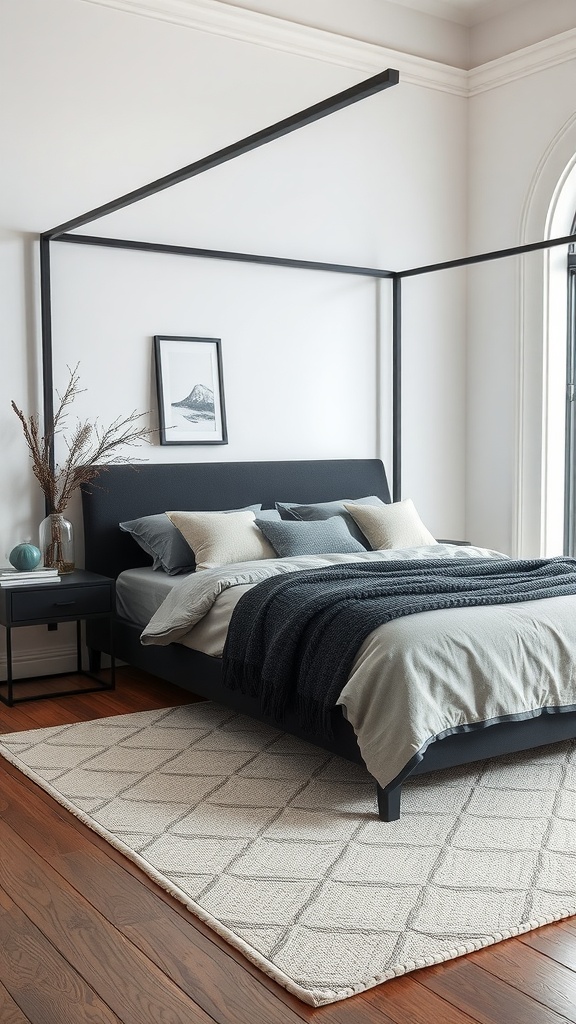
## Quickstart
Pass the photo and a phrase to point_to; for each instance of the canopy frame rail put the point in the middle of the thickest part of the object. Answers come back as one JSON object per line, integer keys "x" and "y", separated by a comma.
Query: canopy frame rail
{"x": 375, "y": 84}
{"x": 63, "y": 233}
{"x": 360, "y": 91}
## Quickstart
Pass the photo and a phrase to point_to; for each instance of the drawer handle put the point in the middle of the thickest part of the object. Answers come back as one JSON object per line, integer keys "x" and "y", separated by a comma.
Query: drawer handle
{"x": 63, "y": 604}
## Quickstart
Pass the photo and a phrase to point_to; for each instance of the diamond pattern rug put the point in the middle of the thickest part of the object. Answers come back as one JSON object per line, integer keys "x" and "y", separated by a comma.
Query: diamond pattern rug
{"x": 277, "y": 845}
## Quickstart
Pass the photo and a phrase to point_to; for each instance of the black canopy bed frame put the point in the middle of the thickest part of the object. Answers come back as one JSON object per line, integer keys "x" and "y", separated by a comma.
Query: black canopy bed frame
{"x": 129, "y": 492}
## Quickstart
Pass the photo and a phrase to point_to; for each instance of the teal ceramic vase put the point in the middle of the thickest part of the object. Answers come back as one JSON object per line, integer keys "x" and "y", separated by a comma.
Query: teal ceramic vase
{"x": 25, "y": 557}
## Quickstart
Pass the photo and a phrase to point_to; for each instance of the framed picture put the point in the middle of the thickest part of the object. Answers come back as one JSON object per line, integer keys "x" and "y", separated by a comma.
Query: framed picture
{"x": 190, "y": 390}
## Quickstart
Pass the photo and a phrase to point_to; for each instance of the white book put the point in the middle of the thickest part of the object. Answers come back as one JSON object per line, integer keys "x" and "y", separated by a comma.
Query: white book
{"x": 43, "y": 581}
{"x": 23, "y": 574}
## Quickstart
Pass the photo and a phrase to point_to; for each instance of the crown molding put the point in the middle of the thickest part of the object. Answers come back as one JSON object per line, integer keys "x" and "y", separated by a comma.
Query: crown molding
{"x": 264, "y": 30}
{"x": 531, "y": 59}
{"x": 224, "y": 19}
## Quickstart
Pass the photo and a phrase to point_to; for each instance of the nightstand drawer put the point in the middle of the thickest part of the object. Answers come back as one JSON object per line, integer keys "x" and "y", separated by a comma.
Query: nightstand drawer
{"x": 51, "y": 604}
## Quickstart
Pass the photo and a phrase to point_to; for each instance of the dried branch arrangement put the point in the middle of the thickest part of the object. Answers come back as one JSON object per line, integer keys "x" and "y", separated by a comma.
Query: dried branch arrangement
{"x": 90, "y": 446}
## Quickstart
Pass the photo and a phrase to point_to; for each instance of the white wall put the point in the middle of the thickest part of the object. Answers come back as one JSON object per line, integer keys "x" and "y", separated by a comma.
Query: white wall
{"x": 100, "y": 102}
{"x": 522, "y": 139}
{"x": 299, "y": 356}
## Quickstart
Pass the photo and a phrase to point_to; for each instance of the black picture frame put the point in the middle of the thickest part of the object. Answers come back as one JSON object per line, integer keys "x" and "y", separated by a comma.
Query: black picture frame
{"x": 190, "y": 387}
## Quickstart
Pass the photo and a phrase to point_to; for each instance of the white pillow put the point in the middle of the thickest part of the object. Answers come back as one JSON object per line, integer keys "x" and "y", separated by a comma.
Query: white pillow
{"x": 219, "y": 538}
{"x": 396, "y": 525}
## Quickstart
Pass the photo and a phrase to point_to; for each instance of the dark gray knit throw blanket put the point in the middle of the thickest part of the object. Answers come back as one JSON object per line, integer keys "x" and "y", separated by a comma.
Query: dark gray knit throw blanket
{"x": 293, "y": 638}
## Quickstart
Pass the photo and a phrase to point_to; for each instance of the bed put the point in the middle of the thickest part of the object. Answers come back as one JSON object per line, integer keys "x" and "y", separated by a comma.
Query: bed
{"x": 127, "y": 492}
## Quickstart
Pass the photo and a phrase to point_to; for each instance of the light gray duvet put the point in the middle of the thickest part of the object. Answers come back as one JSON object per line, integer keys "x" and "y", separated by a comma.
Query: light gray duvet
{"x": 420, "y": 676}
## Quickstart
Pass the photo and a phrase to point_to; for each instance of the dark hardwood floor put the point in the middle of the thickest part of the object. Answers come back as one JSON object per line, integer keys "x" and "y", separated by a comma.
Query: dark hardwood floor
{"x": 87, "y": 938}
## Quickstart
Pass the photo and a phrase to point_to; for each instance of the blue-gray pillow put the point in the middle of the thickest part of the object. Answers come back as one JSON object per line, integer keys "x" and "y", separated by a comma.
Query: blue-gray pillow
{"x": 160, "y": 539}
{"x": 319, "y": 537}
{"x": 328, "y": 509}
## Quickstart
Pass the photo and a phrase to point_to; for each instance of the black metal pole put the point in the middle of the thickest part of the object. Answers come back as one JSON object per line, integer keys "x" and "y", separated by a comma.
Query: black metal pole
{"x": 361, "y": 91}
{"x": 221, "y": 254}
{"x": 484, "y": 257}
{"x": 46, "y": 330}
{"x": 396, "y": 388}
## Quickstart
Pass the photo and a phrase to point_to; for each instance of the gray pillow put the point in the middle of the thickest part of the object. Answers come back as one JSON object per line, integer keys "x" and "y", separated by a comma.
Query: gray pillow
{"x": 328, "y": 509}
{"x": 269, "y": 513}
{"x": 160, "y": 539}
{"x": 320, "y": 537}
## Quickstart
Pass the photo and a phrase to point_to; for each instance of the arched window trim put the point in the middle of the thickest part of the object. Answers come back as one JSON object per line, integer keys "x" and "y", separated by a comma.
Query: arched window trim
{"x": 538, "y": 511}
{"x": 570, "y": 450}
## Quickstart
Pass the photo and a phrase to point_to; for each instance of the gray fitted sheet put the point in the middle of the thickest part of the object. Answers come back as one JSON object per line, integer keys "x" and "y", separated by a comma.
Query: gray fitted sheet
{"x": 140, "y": 592}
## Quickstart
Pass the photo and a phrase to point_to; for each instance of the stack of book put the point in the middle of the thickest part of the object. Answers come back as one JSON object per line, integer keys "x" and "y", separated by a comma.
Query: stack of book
{"x": 22, "y": 578}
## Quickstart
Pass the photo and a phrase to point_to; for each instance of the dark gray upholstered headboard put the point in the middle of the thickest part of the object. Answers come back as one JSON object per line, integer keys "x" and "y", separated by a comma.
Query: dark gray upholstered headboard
{"x": 127, "y": 492}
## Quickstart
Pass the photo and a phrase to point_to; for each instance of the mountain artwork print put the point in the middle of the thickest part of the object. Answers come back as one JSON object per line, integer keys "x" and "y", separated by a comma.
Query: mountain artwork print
{"x": 190, "y": 390}
{"x": 198, "y": 407}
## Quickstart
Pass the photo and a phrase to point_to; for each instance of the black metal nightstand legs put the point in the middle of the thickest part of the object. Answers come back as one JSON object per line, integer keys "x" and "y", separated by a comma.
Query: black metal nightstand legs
{"x": 9, "y": 683}
{"x": 90, "y": 672}
{"x": 10, "y": 696}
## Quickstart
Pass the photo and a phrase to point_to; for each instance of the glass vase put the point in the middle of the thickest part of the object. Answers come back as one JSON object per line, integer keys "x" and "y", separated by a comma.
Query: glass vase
{"x": 57, "y": 543}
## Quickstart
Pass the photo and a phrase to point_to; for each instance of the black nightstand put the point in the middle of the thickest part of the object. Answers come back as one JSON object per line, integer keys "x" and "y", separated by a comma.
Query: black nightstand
{"x": 79, "y": 595}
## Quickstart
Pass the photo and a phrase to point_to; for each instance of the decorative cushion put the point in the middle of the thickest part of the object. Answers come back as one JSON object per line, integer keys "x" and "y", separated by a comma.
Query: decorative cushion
{"x": 219, "y": 538}
{"x": 396, "y": 525}
{"x": 328, "y": 536}
{"x": 160, "y": 539}
{"x": 327, "y": 509}
{"x": 267, "y": 513}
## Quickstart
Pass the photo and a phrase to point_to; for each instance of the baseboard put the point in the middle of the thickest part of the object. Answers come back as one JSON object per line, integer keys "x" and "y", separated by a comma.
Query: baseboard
{"x": 47, "y": 661}
{"x": 41, "y": 661}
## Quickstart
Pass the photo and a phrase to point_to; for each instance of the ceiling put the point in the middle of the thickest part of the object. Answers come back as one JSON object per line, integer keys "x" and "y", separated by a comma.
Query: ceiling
{"x": 465, "y": 12}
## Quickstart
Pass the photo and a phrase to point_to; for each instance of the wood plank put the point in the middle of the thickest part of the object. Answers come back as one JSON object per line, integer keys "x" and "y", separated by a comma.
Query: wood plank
{"x": 483, "y": 996}
{"x": 134, "y": 692}
{"x": 46, "y": 713}
{"x": 569, "y": 923}
{"x": 353, "y": 1011}
{"x": 398, "y": 1001}
{"x": 405, "y": 1001}
{"x": 533, "y": 973}
{"x": 190, "y": 958}
{"x": 122, "y": 702}
{"x": 130, "y": 695}
{"x": 14, "y": 719}
{"x": 38, "y": 978}
{"x": 140, "y": 679}
{"x": 555, "y": 941}
{"x": 112, "y": 702}
{"x": 31, "y": 689}
{"x": 130, "y": 984}
{"x": 10, "y": 1012}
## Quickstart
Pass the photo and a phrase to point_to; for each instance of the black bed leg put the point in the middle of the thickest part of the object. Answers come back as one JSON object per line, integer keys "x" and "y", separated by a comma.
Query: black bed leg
{"x": 94, "y": 660}
{"x": 389, "y": 803}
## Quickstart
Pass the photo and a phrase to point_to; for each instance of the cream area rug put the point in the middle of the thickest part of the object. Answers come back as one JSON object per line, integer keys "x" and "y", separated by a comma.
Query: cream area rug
{"x": 278, "y": 847}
